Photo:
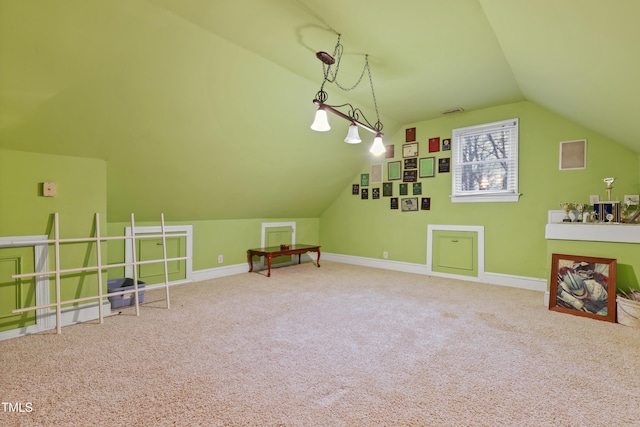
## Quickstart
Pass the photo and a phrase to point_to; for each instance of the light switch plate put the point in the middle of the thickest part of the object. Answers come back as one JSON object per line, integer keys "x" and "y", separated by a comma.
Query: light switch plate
{"x": 49, "y": 189}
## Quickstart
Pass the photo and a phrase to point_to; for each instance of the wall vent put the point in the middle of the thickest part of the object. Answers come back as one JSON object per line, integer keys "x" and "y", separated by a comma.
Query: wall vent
{"x": 453, "y": 111}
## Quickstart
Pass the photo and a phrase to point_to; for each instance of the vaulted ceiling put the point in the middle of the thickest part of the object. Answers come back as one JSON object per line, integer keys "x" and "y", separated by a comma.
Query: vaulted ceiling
{"x": 201, "y": 108}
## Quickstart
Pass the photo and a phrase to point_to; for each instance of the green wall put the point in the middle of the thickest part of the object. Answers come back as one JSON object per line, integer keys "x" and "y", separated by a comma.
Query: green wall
{"x": 230, "y": 238}
{"x": 627, "y": 257}
{"x": 81, "y": 192}
{"x": 514, "y": 232}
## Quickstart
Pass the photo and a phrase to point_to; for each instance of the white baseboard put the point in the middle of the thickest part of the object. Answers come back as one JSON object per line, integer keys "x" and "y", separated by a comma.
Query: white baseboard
{"x": 80, "y": 313}
{"x": 521, "y": 282}
{"x": 217, "y": 272}
{"x": 68, "y": 316}
{"x": 499, "y": 279}
{"x": 231, "y": 270}
{"x": 406, "y": 267}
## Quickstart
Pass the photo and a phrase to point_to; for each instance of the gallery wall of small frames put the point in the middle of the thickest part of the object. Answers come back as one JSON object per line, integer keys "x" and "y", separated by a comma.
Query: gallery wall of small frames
{"x": 407, "y": 177}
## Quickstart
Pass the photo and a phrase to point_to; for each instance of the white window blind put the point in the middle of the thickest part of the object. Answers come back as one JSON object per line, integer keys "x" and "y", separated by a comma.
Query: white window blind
{"x": 485, "y": 162}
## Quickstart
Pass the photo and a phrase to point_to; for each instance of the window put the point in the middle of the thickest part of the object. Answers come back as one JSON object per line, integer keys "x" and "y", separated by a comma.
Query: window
{"x": 485, "y": 163}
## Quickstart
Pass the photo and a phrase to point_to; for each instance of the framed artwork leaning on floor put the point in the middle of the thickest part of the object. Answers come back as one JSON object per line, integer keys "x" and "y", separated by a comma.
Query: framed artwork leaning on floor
{"x": 583, "y": 286}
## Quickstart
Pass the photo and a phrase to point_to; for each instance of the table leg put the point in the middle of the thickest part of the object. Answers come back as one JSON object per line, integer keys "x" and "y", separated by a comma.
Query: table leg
{"x": 318, "y": 260}
{"x": 269, "y": 263}
{"x": 249, "y": 258}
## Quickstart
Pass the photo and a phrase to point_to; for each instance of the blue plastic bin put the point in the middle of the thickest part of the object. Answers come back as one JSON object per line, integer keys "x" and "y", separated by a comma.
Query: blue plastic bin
{"x": 124, "y": 300}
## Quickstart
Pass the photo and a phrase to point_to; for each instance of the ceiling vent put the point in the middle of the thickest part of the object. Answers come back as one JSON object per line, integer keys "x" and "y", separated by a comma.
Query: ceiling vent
{"x": 453, "y": 111}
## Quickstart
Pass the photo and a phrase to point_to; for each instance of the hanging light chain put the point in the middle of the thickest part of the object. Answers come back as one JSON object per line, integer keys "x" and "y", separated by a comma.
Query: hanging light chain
{"x": 331, "y": 76}
{"x": 378, "y": 124}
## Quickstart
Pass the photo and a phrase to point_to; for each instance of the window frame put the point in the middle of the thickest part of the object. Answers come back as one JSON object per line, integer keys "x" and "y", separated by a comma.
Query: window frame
{"x": 511, "y": 194}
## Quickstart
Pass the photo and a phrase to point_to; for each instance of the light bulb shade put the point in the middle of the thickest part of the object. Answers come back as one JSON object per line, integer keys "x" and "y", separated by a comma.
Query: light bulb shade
{"x": 352, "y": 136}
{"x": 378, "y": 147}
{"x": 321, "y": 122}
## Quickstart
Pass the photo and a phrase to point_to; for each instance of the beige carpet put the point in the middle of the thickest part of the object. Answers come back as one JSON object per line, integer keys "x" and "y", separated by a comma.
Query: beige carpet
{"x": 336, "y": 346}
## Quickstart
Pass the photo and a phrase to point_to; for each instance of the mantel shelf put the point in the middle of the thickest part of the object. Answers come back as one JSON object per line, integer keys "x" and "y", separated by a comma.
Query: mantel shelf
{"x": 620, "y": 233}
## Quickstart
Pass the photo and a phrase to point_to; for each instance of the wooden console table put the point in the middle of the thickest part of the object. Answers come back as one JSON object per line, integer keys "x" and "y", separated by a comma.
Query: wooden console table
{"x": 275, "y": 251}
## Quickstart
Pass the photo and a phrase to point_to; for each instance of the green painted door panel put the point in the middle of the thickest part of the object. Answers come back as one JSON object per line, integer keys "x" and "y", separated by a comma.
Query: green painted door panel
{"x": 151, "y": 249}
{"x": 276, "y": 236}
{"x": 455, "y": 252}
{"x": 16, "y": 293}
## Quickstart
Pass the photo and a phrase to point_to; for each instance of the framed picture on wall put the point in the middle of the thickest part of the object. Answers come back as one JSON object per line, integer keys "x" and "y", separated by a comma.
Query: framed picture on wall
{"x": 409, "y": 204}
{"x": 404, "y": 190}
{"x": 355, "y": 189}
{"x": 364, "y": 179}
{"x": 434, "y": 144}
{"x": 393, "y": 203}
{"x": 583, "y": 286}
{"x": 387, "y": 189}
{"x": 394, "y": 170}
{"x": 410, "y": 134}
{"x": 375, "y": 193}
{"x": 389, "y": 152}
{"x": 427, "y": 167}
{"x": 573, "y": 155}
{"x": 426, "y": 204}
{"x": 376, "y": 174}
{"x": 364, "y": 193}
{"x": 410, "y": 150}
{"x": 417, "y": 188}
{"x": 409, "y": 176}
{"x": 444, "y": 165}
{"x": 411, "y": 163}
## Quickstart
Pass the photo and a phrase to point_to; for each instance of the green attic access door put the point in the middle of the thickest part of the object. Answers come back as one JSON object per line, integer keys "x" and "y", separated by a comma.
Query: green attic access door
{"x": 16, "y": 293}
{"x": 151, "y": 249}
{"x": 179, "y": 243}
{"x": 456, "y": 251}
{"x": 276, "y": 236}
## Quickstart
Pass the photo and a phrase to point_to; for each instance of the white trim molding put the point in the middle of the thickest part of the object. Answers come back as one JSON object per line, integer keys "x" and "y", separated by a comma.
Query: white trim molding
{"x": 184, "y": 229}
{"x": 406, "y": 267}
{"x": 218, "y": 272}
{"x": 263, "y": 240}
{"x": 41, "y": 254}
{"x": 621, "y": 233}
{"x": 498, "y": 279}
{"x": 265, "y": 225}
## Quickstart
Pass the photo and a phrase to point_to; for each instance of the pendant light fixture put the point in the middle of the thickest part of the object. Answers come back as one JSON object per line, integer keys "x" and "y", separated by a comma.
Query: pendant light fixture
{"x": 354, "y": 115}
{"x": 321, "y": 122}
{"x": 378, "y": 146}
{"x": 352, "y": 136}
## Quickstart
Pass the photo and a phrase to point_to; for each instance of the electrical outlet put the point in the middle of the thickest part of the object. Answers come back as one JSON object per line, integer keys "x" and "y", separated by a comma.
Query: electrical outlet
{"x": 220, "y": 259}
{"x": 593, "y": 199}
{"x": 385, "y": 254}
